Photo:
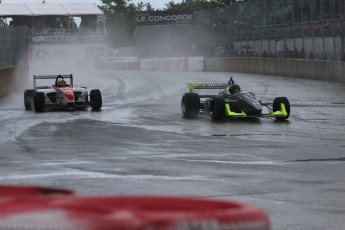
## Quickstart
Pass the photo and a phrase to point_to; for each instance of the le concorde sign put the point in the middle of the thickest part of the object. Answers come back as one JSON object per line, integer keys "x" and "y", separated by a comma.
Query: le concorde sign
{"x": 164, "y": 18}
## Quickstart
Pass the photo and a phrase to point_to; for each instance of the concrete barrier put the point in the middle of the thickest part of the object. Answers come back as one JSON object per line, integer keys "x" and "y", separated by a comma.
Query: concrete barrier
{"x": 13, "y": 78}
{"x": 174, "y": 64}
{"x": 117, "y": 64}
{"x": 147, "y": 64}
{"x": 195, "y": 64}
{"x": 312, "y": 69}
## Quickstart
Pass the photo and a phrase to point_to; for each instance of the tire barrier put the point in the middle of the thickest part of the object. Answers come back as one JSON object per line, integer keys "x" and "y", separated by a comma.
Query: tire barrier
{"x": 176, "y": 64}
{"x": 46, "y": 208}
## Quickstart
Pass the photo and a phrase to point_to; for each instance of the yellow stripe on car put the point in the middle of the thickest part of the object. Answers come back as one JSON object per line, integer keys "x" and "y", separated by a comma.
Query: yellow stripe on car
{"x": 281, "y": 113}
{"x": 230, "y": 113}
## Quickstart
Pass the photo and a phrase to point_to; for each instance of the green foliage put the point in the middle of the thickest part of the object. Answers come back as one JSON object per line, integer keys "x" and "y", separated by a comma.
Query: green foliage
{"x": 141, "y": 6}
{"x": 197, "y": 4}
{"x": 120, "y": 16}
{"x": 120, "y": 20}
{"x": 64, "y": 22}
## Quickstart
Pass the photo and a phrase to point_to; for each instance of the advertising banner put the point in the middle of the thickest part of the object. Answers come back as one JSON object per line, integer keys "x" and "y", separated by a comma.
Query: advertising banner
{"x": 164, "y": 18}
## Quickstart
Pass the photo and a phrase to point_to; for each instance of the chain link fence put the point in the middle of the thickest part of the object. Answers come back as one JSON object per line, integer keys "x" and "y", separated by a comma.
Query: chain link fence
{"x": 273, "y": 28}
{"x": 14, "y": 44}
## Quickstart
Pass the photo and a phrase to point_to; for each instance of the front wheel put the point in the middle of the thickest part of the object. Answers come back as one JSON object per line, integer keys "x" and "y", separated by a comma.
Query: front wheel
{"x": 28, "y": 98}
{"x": 278, "y": 101}
{"x": 39, "y": 100}
{"x": 217, "y": 108}
{"x": 190, "y": 105}
{"x": 96, "y": 99}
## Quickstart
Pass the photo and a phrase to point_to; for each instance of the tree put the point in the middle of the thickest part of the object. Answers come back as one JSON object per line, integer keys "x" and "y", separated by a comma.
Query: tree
{"x": 120, "y": 21}
{"x": 141, "y": 6}
{"x": 197, "y": 4}
{"x": 149, "y": 7}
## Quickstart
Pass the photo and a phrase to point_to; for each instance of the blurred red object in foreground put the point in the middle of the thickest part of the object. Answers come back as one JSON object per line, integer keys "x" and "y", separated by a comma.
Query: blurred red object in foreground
{"x": 36, "y": 208}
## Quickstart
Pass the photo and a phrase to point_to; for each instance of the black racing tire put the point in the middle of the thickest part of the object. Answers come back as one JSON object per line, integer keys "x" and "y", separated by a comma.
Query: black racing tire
{"x": 217, "y": 109}
{"x": 190, "y": 105}
{"x": 276, "y": 107}
{"x": 96, "y": 99}
{"x": 39, "y": 100}
{"x": 28, "y": 99}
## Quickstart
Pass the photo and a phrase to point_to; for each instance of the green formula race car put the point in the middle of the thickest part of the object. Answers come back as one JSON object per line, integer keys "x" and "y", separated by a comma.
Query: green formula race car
{"x": 231, "y": 102}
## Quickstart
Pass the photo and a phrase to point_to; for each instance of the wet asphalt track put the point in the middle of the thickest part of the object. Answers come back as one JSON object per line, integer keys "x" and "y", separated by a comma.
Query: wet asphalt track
{"x": 140, "y": 144}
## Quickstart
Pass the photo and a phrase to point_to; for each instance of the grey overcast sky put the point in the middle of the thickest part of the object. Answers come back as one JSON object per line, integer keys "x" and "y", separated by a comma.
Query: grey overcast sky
{"x": 157, "y": 4}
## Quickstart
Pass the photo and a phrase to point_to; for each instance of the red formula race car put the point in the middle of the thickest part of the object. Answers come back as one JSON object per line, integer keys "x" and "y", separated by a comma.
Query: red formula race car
{"x": 60, "y": 95}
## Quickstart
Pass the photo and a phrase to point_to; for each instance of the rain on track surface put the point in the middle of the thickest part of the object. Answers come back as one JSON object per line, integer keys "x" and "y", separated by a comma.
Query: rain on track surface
{"x": 140, "y": 144}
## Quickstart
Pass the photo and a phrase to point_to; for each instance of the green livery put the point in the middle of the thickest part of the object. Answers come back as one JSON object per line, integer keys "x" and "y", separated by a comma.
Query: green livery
{"x": 230, "y": 102}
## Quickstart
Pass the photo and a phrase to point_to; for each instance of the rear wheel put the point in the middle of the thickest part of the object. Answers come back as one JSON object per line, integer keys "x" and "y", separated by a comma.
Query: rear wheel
{"x": 190, "y": 105}
{"x": 39, "y": 100}
{"x": 217, "y": 109}
{"x": 276, "y": 107}
{"x": 28, "y": 98}
{"x": 96, "y": 99}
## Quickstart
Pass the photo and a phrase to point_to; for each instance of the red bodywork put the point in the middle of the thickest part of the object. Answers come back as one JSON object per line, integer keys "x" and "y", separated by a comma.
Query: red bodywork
{"x": 68, "y": 92}
{"x": 46, "y": 208}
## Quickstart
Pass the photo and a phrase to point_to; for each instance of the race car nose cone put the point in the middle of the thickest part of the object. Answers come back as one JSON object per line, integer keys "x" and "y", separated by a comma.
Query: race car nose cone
{"x": 69, "y": 94}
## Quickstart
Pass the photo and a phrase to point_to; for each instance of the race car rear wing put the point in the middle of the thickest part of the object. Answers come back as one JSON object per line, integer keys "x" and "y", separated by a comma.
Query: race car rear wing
{"x": 192, "y": 87}
{"x": 65, "y": 76}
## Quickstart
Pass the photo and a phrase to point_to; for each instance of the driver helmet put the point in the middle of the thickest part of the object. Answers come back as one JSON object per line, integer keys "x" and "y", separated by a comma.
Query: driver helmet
{"x": 61, "y": 82}
{"x": 234, "y": 88}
